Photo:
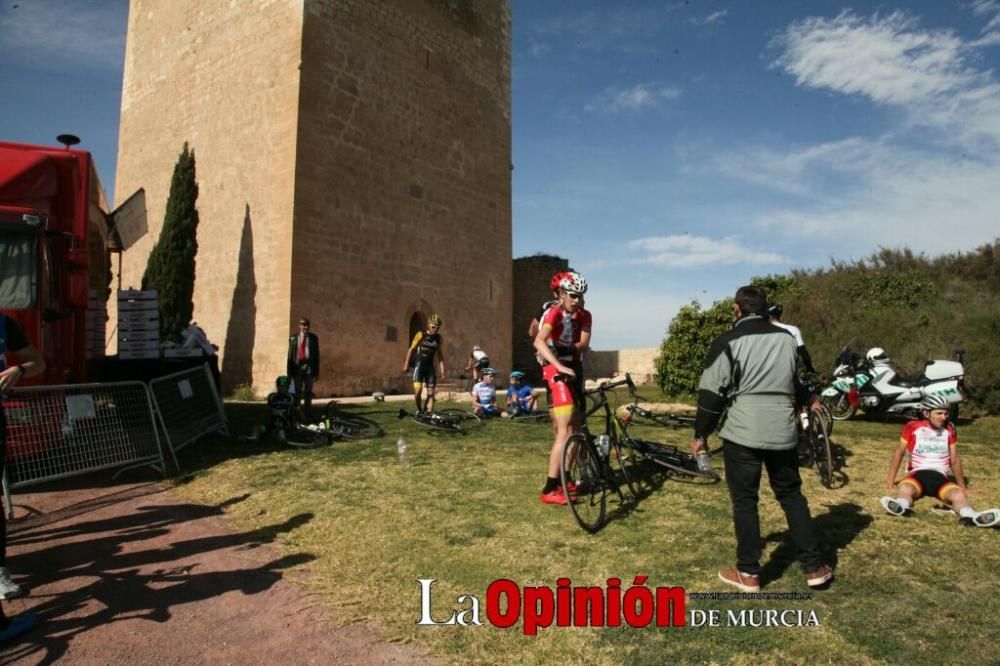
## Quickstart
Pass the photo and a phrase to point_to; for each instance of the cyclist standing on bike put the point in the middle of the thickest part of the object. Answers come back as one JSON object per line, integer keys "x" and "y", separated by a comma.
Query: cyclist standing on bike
{"x": 563, "y": 334}
{"x": 427, "y": 346}
{"x": 749, "y": 377}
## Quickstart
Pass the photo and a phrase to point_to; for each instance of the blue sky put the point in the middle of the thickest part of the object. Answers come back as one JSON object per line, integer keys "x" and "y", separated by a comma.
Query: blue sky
{"x": 670, "y": 150}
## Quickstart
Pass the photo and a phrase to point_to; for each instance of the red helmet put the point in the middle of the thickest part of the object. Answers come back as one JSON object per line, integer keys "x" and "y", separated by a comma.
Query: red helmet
{"x": 556, "y": 279}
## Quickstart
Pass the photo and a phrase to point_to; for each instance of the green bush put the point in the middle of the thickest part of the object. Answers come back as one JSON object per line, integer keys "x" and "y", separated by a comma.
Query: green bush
{"x": 915, "y": 307}
{"x": 682, "y": 353}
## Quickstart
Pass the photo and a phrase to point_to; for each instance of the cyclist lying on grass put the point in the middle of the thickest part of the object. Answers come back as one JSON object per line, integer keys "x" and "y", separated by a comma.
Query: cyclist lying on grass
{"x": 484, "y": 395}
{"x": 935, "y": 467}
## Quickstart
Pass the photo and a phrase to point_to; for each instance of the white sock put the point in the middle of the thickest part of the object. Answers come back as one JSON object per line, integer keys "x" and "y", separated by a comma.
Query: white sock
{"x": 967, "y": 512}
{"x": 903, "y": 502}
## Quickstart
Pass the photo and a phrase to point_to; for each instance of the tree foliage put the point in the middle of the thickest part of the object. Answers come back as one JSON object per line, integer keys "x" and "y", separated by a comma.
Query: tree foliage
{"x": 170, "y": 268}
{"x": 915, "y": 307}
{"x": 683, "y": 351}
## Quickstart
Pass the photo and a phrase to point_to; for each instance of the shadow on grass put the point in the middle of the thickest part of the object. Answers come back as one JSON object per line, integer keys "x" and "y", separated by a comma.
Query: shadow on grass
{"x": 837, "y": 528}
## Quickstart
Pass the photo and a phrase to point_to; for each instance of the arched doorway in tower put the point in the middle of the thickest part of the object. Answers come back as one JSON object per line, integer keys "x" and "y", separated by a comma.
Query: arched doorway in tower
{"x": 417, "y": 321}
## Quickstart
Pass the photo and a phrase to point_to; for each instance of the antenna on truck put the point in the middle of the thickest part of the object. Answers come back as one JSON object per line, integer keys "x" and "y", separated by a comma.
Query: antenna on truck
{"x": 68, "y": 140}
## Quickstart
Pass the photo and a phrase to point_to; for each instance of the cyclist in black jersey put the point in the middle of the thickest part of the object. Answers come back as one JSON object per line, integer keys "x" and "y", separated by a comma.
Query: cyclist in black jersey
{"x": 427, "y": 345}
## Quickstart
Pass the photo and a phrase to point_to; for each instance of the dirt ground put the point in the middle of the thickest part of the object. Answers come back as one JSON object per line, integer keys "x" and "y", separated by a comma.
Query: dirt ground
{"x": 130, "y": 574}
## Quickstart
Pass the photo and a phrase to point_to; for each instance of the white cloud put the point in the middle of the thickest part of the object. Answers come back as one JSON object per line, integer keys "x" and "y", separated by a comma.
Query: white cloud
{"x": 885, "y": 58}
{"x": 683, "y": 251}
{"x": 639, "y": 96}
{"x": 714, "y": 17}
{"x": 928, "y": 181}
{"x": 927, "y": 75}
{"x": 54, "y": 32}
{"x": 991, "y": 31}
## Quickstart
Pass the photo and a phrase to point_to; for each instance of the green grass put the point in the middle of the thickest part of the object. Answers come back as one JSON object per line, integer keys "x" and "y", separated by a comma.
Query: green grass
{"x": 919, "y": 590}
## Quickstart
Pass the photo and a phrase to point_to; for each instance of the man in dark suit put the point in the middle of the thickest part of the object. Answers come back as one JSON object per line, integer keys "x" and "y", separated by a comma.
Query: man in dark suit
{"x": 303, "y": 362}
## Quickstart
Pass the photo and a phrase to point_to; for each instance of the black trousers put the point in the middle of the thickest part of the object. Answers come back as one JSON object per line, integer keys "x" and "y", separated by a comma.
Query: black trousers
{"x": 743, "y": 472}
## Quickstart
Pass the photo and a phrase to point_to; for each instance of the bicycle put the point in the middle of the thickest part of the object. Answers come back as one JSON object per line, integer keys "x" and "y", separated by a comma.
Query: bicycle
{"x": 349, "y": 426}
{"x": 586, "y": 471}
{"x": 817, "y": 436}
{"x": 677, "y": 462}
{"x": 447, "y": 420}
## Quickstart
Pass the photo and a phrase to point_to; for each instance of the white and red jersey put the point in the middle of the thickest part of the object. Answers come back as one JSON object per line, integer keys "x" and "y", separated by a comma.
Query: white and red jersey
{"x": 566, "y": 330}
{"x": 929, "y": 447}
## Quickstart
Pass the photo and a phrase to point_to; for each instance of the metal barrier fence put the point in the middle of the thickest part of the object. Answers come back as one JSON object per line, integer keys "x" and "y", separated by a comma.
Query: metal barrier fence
{"x": 55, "y": 432}
{"x": 188, "y": 406}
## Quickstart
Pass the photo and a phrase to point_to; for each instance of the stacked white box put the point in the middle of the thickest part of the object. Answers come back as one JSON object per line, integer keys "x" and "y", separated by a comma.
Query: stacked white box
{"x": 95, "y": 325}
{"x": 138, "y": 324}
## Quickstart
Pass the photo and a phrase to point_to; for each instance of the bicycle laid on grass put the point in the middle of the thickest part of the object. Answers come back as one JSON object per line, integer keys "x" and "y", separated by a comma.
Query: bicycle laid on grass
{"x": 349, "y": 426}
{"x": 445, "y": 420}
{"x": 591, "y": 463}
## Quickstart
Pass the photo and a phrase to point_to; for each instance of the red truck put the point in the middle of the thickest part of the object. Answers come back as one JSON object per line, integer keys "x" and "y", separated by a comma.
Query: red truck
{"x": 54, "y": 256}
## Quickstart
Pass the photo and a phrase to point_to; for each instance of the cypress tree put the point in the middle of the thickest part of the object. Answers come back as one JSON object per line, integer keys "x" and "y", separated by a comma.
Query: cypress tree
{"x": 170, "y": 269}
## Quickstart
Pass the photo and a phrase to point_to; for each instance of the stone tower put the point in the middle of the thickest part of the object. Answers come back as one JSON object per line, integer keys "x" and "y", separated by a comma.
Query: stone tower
{"x": 353, "y": 160}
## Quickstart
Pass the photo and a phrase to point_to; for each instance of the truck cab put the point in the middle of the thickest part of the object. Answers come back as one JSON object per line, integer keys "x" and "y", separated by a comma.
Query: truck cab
{"x": 54, "y": 260}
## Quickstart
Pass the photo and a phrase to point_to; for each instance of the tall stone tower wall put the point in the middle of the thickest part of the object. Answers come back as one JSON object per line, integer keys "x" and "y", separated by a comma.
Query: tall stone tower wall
{"x": 403, "y": 193}
{"x": 224, "y": 78}
{"x": 354, "y": 167}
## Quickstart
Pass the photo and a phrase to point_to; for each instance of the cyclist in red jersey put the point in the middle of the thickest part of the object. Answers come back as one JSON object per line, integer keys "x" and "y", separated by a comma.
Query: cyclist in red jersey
{"x": 563, "y": 334}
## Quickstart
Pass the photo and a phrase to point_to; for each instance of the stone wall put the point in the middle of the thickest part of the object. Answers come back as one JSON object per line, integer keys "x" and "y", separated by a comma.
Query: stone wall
{"x": 403, "y": 188}
{"x": 531, "y": 291}
{"x": 640, "y": 363}
{"x": 224, "y": 78}
{"x": 354, "y": 167}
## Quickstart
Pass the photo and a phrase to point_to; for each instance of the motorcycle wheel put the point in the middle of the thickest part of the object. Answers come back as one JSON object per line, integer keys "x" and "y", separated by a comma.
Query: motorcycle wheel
{"x": 839, "y": 406}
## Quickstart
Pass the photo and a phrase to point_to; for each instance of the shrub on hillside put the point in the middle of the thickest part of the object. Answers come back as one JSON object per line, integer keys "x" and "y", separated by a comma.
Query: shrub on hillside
{"x": 683, "y": 351}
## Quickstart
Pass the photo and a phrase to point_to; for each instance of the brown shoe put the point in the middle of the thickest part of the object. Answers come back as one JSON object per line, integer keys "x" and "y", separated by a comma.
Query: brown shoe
{"x": 743, "y": 581}
{"x": 820, "y": 577}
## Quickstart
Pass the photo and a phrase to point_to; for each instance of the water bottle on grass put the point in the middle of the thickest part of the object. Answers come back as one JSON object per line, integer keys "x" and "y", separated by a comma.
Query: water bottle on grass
{"x": 401, "y": 452}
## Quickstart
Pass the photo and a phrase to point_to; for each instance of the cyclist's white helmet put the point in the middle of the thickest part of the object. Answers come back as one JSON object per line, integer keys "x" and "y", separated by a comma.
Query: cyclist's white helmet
{"x": 476, "y": 348}
{"x": 934, "y": 401}
{"x": 573, "y": 282}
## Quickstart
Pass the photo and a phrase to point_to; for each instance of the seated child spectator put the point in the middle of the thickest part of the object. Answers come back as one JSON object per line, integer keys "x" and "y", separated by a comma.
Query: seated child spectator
{"x": 934, "y": 468}
{"x": 484, "y": 394}
{"x": 520, "y": 397}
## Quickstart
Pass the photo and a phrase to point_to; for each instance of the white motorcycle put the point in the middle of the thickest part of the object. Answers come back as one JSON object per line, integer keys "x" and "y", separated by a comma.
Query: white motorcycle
{"x": 873, "y": 385}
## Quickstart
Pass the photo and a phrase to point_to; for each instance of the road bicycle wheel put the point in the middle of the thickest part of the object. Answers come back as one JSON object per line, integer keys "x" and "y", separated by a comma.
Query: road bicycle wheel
{"x": 819, "y": 445}
{"x": 839, "y": 405}
{"x": 585, "y": 483}
{"x": 626, "y": 458}
{"x": 305, "y": 438}
{"x": 436, "y": 421}
{"x": 468, "y": 420}
{"x": 354, "y": 427}
{"x": 827, "y": 417}
{"x": 668, "y": 420}
{"x": 531, "y": 418}
{"x": 677, "y": 462}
